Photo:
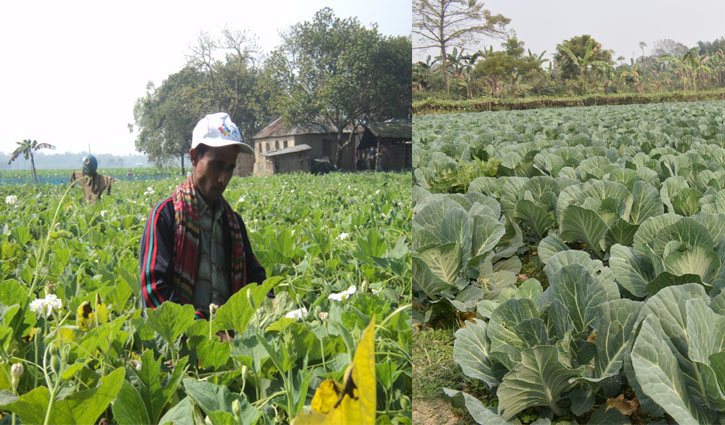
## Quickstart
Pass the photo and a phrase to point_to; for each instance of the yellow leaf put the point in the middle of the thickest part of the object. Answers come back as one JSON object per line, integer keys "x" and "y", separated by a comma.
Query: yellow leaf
{"x": 355, "y": 403}
{"x": 101, "y": 313}
{"x": 327, "y": 394}
{"x": 84, "y": 316}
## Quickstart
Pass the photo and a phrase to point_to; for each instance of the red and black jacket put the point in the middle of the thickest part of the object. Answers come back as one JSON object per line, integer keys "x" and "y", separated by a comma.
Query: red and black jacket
{"x": 156, "y": 258}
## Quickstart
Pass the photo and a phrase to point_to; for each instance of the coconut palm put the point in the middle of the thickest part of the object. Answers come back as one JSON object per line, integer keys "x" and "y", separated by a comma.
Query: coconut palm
{"x": 26, "y": 148}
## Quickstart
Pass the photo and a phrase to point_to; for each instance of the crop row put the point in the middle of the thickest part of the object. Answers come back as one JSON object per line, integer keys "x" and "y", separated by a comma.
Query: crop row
{"x": 336, "y": 250}
{"x": 625, "y": 209}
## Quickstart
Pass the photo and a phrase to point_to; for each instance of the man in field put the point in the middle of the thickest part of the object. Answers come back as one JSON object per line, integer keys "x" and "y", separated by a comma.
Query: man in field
{"x": 93, "y": 184}
{"x": 194, "y": 248}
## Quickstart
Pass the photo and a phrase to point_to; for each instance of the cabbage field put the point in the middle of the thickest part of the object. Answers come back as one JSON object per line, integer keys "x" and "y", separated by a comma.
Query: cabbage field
{"x": 76, "y": 349}
{"x": 623, "y": 207}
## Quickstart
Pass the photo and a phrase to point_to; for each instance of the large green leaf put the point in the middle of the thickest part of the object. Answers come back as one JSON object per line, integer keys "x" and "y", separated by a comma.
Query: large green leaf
{"x": 617, "y": 325}
{"x": 620, "y": 232}
{"x": 156, "y": 390}
{"x": 486, "y": 233}
{"x": 649, "y": 230}
{"x": 424, "y": 279}
{"x": 537, "y": 217}
{"x": 170, "y": 320}
{"x": 645, "y": 203}
{"x": 433, "y": 210}
{"x": 660, "y": 377}
{"x": 480, "y": 413}
{"x": 715, "y": 225}
{"x": 471, "y": 351}
{"x": 549, "y": 246}
{"x": 685, "y": 231}
{"x": 669, "y": 188}
{"x": 181, "y": 414}
{"x": 699, "y": 260}
{"x": 214, "y": 398}
{"x": 686, "y": 201}
{"x": 443, "y": 261}
{"x": 583, "y": 225}
{"x": 128, "y": 407}
{"x": 510, "y": 194}
{"x": 236, "y": 313}
{"x": 456, "y": 228}
{"x": 705, "y": 329}
{"x": 504, "y": 319}
{"x": 580, "y": 293}
{"x": 669, "y": 306}
{"x": 538, "y": 380}
{"x": 666, "y": 279}
{"x": 30, "y": 407}
{"x": 633, "y": 272}
{"x": 84, "y": 407}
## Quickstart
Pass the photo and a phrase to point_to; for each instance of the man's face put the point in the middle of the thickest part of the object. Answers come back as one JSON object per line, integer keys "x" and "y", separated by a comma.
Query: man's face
{"x": 213, "y": 171}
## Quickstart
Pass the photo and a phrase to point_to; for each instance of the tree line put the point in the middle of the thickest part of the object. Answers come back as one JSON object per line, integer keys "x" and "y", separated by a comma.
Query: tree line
{"x": 580, "y": 65}
{"x": 328, "y": 71}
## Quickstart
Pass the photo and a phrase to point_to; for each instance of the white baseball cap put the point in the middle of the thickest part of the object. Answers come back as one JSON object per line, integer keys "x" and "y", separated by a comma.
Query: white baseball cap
{"x": 215, "y": 130}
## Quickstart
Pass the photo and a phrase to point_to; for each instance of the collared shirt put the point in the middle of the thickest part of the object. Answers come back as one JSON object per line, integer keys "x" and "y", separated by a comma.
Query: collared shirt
{"x": 212, "y": 281}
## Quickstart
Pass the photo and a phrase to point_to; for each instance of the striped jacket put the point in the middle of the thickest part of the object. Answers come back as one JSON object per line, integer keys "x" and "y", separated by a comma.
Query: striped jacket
{"x": 156, "y": 258}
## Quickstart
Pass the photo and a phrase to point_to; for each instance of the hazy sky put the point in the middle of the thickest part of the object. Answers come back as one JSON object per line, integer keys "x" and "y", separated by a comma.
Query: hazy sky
{"x": 72, "y": 70}
{"x": 618, "y": 25}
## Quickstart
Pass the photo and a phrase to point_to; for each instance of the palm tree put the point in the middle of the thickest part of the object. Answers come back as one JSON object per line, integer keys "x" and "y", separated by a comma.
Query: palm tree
{"x": 582, "y": 62}
{"x": 26, "y": 148}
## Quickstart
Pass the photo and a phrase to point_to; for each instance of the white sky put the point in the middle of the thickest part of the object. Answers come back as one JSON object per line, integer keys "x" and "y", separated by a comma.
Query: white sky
{"x": 619, "y": 25}
{"x": 71, "y": 70}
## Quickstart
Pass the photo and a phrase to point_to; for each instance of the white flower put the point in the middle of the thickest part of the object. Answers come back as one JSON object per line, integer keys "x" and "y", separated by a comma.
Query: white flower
{"x": 16, "y": 370}
{"x": 324, "y": 315}
{"x": 298, "y": 314}
{"x": 103, "y": 213}
{"x": 377, "y": 191}
{"x": 342, "y": 296}
{"x": 11, "y": 200}
{"x": 45, "y": 306}
{"x": 241, "y": 199}
{"x": 342, "y": 236}
{"x": 150, "y": 189}
{"x": 375, "y": 291}
{"x": 137, "y": 364}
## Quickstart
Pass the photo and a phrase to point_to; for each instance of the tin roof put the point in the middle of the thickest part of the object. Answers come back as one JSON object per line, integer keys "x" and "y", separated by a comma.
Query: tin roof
{"x": 279, "y": 128}
{"x": 392, "y": 130}
{"x": 291, "y": 149}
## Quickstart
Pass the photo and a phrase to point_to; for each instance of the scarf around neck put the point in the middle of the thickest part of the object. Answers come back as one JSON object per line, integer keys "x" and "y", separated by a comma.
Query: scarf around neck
{"x": 186, "y": 248}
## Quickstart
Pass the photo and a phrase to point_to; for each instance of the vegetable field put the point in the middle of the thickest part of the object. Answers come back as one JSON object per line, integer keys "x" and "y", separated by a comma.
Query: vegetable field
{"x": 623, "y": 207}
{"x": 76, "y": 349}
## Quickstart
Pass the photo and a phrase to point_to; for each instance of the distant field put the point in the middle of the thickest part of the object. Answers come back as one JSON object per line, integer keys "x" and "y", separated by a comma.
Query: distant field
{"x": 19, "y": 177}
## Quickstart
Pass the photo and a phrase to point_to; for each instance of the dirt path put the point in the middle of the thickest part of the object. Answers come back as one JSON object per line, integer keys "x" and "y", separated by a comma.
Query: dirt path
{"x": 434, "y": 412}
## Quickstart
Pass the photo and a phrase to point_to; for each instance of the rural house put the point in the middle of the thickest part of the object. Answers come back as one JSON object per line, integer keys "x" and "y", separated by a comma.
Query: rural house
{"x": 386, "y": 146}
{"x": 272, "y": 145}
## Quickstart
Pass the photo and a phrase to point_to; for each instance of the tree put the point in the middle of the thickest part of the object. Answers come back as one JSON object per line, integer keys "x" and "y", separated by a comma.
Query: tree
{"x": 444, "y": 22}
{"x": 338, "y": 74}
{"x": 668, "y": 47}
{"x": 580, "y": 57}
{"x": 26, "y": 149}
{"x": 220, "y": 75}
{"x": 233, "y": 82}
{"x": 166, "y": 116}
{"x": 508, "y": 65}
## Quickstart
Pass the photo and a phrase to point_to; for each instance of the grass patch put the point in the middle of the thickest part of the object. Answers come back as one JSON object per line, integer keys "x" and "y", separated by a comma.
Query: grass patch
{"x": 435, "y": 369}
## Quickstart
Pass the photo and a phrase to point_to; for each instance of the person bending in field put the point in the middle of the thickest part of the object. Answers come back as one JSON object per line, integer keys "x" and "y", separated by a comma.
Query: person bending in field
{"x": 93, "y": 184}
{"x": 194, "y": 248}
